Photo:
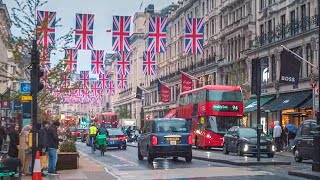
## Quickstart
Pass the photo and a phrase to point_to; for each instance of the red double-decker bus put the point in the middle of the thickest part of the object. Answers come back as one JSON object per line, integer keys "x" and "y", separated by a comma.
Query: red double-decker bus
{"x": 109, "y": 119}
{"x": 211, "y": 111}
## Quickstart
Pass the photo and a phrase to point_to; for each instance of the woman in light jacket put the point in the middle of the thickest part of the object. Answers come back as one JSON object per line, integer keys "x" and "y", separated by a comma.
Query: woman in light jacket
{"x": 24, "y": 154}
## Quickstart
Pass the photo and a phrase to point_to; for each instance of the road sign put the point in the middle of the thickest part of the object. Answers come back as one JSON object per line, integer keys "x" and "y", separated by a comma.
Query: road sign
{"x": 25, "y": 87}
{"x": 26, "y": 98}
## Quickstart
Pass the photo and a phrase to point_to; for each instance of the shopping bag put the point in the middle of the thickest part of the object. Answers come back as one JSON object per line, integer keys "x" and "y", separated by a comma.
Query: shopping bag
{"x": 44, "y": 161}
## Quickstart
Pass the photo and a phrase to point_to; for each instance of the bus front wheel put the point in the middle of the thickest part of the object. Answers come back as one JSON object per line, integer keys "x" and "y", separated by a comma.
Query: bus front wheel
{"x": 196, "y": 143}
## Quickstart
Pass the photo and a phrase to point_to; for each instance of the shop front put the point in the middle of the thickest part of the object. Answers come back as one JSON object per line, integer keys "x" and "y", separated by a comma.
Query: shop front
{"x": 290, "y": 108}
{"x": 250, "y": 111}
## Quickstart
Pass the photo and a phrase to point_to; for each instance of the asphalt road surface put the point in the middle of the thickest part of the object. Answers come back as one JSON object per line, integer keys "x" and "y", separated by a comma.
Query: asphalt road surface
{"x": 125, "y": 165}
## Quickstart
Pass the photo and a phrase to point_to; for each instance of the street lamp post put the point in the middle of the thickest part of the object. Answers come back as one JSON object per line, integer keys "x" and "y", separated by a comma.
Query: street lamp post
{"x": 316, "y": 138}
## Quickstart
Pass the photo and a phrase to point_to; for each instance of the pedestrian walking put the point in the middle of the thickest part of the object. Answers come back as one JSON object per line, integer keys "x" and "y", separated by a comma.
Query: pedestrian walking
{"x": 277, "y": 131}
{"x": 24, "y": 151}
{"x": 53, "y": 143}
{"x": 14, "y": 141}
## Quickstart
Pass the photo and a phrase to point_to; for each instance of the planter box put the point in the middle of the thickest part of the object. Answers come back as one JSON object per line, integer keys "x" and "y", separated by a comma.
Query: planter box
{"x": 67, "y": 160}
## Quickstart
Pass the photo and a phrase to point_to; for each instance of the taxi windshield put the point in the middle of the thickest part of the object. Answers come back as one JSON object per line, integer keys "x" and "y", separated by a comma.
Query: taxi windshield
{"x": 171, "y": 126}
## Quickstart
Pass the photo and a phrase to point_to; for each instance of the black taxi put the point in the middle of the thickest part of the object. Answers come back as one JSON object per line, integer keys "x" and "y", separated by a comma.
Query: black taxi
{"x": 165, "y": 137}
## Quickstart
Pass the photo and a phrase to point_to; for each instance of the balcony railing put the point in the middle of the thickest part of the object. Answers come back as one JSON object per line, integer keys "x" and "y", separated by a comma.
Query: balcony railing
{"x": 283, "y": 31}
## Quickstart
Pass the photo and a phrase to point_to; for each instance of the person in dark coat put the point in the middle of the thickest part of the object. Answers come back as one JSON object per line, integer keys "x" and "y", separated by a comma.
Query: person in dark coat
{"x": 43, "y": 136}
{"x": 14, "y": 141}
{"x": 53, "y": 143}
{"x": 3, "y": 136}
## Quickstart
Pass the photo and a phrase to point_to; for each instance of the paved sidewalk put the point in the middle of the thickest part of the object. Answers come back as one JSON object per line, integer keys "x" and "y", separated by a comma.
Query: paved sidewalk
{"x": 88, "y": 170}
{"x": 233, "y": 159}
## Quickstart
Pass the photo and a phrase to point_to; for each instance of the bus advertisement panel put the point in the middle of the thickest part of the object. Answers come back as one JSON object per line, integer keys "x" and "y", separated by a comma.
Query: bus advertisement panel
{"x": 211, "y": 111}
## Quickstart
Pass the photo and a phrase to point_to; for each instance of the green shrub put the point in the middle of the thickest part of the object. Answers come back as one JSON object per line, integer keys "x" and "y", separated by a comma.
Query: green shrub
{"x": 68, "y": 146}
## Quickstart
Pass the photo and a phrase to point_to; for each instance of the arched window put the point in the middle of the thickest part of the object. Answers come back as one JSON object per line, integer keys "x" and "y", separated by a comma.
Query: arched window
{"x": 309, "y": 59}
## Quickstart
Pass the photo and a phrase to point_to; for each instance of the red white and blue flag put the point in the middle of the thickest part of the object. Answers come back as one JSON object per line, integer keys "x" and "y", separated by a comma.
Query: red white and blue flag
{"x": 104, "y": 78}
{"x": 123, "y": 63}
{"x": 122, "y": 81}
{"x": 65, "y": 80}
{"x": 157, "y": 34}
{"x": 121, "y": 33}
{"x": 194, "y": 34}
{"x": 97, "y": 57}
{"x": 84, "y": 79}
{"x": 110, "y": 88}
{"x": 149, "y": 63}
{"x": 95, "y": 89}
{"x": 84, "y": 31}
{"x": 71, "y": 57}
{"x": 45, "y": 56}
{"x": 46, "y": 26}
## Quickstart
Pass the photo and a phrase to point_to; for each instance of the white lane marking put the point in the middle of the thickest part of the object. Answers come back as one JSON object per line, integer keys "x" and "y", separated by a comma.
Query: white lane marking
{"x": 135, "y": 164}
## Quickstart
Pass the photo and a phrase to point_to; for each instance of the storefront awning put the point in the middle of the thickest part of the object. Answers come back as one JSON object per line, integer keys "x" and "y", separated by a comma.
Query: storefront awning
{"x": 288, "y": 101}
{"x": 251, "y": 105}
{"x": 171, "y": 114}
{"x": 308, "y": 104}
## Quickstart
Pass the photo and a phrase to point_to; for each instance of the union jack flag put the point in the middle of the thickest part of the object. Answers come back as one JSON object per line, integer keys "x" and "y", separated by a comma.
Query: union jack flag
{"x": 45, "y": 56}
{"x": 110, "y": 88}
{"x": 123, "y": 63}
{"x": 84, "y": 79}
{"x": 149, "y": 63}
{"x": 46, "y": 67}
{"x": 122, "y": 81}
{"x": 84, "y": 31}
{"x": 97, "y": 61}
{"x": 71, "y": 57}
{"x": 65, "y": 80}
{"x": 96, "y": 88}
{"x": 194, "y": 34}
{"x": 157, "y": 34}
{"x": 78, "y": 92}
{"x": 104, "y": 78}
{"x": 121, "y": 33}
{"x": 46, "y": 25}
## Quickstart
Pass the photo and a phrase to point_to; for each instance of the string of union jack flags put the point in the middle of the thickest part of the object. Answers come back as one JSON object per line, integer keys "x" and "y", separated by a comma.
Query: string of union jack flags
{"x": 83, "y": 34}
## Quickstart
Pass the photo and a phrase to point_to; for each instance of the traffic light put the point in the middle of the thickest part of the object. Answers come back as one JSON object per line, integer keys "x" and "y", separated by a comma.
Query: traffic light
{"x": 40, "y": 83}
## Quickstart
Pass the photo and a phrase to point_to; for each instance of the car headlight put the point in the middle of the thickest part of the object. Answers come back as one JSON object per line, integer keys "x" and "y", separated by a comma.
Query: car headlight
{"x": 273, "y": 148}
{"x": 245, "y": 147}
{"x": 208, "y": 136}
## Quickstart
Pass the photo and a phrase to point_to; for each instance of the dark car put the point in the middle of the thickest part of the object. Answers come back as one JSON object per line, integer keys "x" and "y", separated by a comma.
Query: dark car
{"x": 84, "y": 135}
{"x": 244, "y": 141}
{"x": 78, "y": 132}
{"x": 116, "y": 138}
{"x": 302, "y": 145}
{"x": 165, "y": 137}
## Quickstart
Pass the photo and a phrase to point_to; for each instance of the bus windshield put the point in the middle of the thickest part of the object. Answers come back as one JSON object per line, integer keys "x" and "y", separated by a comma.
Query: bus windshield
{"x": 225, "y": 95}
{"x": 221, "y": 124}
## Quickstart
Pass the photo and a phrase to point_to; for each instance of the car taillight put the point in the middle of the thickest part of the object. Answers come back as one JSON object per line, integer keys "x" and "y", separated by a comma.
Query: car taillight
{"x": 190, "y": 140}
{"x": 154, "y": 140}
{"x": 122, "y": 137}
{"x": 108, "y": 138}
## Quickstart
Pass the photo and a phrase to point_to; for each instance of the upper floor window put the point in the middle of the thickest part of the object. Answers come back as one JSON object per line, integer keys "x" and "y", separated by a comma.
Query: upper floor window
{"x": 262, "y": 4}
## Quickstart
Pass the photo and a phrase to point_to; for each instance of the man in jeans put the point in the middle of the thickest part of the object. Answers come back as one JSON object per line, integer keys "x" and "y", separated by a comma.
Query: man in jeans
{"x": 53, "y": 143}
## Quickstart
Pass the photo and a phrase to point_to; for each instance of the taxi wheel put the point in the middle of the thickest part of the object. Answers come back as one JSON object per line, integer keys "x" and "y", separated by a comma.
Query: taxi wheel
{"x": 296, "y": 155}
{"x": 188, "y": 158}
{"x": 175, "y": 158}
{"x": 150, "y": 158}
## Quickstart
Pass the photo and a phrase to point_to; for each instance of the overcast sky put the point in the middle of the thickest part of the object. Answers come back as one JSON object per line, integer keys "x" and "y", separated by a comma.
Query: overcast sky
{"x": 103, "y": 10}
